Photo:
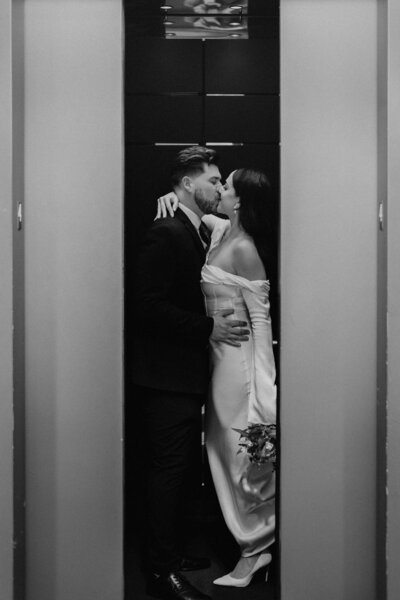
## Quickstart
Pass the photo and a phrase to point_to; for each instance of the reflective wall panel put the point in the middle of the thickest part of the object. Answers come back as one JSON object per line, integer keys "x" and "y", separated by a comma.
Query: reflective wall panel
{"x": 160, "y": 65}
{"x": 235, "y": 66}
{"x": 173, "y": 119}
{"x": 237, "y": 119}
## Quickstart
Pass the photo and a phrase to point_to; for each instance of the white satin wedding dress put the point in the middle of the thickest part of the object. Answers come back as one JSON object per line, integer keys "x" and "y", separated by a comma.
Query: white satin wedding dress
{"x": 242, "y": 391}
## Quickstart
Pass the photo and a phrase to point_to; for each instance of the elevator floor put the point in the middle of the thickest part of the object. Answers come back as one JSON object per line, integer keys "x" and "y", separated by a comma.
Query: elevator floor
{"x": 208, "y": 538}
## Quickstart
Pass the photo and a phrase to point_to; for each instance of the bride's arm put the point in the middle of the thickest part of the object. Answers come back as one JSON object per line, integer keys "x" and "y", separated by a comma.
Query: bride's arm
{"x": 212, "y": 220}
{"x": 262, "y": 402}
{"x": 167, "y": 205}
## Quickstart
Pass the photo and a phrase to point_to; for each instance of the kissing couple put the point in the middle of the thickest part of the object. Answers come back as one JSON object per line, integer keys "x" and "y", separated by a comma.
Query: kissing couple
{"x": 204, "y": 336}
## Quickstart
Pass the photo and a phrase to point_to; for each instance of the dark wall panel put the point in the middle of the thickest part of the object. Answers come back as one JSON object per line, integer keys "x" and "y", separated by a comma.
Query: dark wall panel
{"x": 235, "y": 66}
{"x": 147, "y": 176}
{"x": 163, "y": 119}
{"x": 252, "y": 119}
{"x": 158, "y": 66}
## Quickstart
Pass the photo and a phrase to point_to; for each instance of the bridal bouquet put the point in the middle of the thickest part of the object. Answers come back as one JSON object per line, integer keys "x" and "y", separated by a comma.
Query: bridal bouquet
{"x": 258, "y": 441}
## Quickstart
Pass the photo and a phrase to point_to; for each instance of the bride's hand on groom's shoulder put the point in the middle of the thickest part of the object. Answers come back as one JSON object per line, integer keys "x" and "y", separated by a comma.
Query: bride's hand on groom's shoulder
{"x": 167, "y": 205}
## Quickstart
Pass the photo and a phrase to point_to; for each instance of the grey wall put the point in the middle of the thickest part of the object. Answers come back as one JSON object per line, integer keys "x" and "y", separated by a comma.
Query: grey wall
{"x": 329, "y": 290}
{"x": 18, "y": 167}
{"x": 74, "y": 262}
{"x": 6, "y": 270}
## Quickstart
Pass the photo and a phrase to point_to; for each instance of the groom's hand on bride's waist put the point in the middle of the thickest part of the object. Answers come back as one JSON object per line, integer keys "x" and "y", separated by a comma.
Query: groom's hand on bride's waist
{"x": 229, "y": 331}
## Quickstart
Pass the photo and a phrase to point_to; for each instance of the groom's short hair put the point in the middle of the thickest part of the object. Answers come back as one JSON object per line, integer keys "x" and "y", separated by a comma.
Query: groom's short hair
{"x": 191, "y": 161}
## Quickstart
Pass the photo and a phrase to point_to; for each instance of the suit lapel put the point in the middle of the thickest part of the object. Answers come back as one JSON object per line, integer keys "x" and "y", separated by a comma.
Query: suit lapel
{"x": 192, "y": 230}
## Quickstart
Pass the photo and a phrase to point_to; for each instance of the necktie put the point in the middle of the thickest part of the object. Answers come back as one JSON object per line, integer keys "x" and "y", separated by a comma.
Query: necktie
{"x": 205, "y": 235}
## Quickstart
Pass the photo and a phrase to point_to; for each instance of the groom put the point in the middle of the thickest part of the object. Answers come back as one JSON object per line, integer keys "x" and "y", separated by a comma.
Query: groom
{"x": 170, "y": 361}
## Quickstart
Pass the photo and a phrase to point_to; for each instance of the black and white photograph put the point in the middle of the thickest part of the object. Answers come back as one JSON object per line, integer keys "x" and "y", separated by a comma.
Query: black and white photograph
{"x": 199, "y": 300}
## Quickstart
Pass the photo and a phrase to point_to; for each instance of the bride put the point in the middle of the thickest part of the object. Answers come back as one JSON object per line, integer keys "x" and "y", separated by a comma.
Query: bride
{"x": 242, "y": 389}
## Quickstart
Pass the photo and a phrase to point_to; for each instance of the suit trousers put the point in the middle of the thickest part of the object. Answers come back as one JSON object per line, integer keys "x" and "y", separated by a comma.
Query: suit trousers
{"x": 173, "y": 447}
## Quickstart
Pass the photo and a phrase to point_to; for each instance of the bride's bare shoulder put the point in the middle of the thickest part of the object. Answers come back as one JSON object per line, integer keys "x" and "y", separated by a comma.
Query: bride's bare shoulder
{"x": 245, "y": 248}
{"x": 247, "y": 261}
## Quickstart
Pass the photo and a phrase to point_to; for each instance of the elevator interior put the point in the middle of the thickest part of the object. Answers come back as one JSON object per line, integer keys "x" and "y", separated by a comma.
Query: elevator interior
{"x": 195, "y": 73}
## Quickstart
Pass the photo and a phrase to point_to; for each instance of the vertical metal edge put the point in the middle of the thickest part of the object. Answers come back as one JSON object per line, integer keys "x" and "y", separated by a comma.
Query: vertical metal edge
{"x": 382, "y": 279}
{"x": 393, "y": 301}
{"x": 278, "y": 584}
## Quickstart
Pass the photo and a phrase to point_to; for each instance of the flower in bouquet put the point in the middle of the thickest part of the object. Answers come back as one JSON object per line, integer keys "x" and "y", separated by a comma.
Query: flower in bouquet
{"x": 258, "y": 441}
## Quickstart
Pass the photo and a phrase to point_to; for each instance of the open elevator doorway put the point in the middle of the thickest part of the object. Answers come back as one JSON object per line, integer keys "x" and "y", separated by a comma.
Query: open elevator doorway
{"x": 195, "y": 73}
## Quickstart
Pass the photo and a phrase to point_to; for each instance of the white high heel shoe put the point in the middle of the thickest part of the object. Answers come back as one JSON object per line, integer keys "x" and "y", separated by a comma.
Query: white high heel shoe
{"x": 262, "y": 561}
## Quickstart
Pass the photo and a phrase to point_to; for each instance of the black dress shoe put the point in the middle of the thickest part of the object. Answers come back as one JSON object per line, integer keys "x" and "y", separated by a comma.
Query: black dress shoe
{"x": 173, "y": 587}
{"x": 194, "y": 563}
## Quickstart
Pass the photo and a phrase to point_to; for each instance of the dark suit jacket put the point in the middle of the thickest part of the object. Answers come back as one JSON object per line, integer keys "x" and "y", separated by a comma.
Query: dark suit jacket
{"x": 170, "y": 349}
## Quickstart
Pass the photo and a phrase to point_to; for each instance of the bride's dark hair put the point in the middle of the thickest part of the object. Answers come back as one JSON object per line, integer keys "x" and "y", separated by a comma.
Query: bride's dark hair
{"x": 258, "y": 215}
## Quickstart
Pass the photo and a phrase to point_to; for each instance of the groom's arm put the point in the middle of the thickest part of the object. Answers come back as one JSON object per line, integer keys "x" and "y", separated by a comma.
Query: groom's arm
{"x": 157, "y": 314}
